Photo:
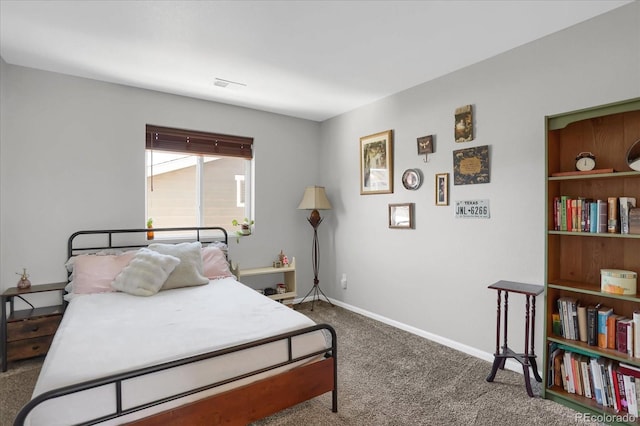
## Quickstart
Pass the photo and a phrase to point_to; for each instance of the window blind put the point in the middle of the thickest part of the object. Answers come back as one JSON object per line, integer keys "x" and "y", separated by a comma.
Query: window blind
{"x": 196, "y": 142}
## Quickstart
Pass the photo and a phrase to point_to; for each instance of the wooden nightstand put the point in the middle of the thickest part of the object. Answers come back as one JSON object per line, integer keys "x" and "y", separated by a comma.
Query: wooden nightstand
{"x": 28, "y": 333}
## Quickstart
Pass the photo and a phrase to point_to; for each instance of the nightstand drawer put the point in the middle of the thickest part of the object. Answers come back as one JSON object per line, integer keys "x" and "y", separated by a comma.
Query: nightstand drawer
{"x": 32, "y": 327}
{"x": 27, "y": 348}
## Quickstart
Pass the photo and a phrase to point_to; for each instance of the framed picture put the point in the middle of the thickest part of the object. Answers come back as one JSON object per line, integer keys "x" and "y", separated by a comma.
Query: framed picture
{"x": 463, "y": 130}
{"x": 442, "y": 189}
{"x": 376, "y": 163}
{"x": 471, "y": 165}
{"x": 425, "y": 145}
{"x": 401, "y": 216}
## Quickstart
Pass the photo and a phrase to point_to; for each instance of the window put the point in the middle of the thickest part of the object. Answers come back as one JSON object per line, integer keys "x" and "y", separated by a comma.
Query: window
{"x": 196, "y": 178}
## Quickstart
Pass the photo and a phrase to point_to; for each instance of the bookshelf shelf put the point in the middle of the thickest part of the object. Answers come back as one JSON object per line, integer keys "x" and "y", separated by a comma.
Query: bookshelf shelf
{"x": 615, "y": 175}
{"x": 591, "y": 289}
{"x": 583, "y": 348}
{"x": 574, "y": 259}
{"x": 594, "y": 234}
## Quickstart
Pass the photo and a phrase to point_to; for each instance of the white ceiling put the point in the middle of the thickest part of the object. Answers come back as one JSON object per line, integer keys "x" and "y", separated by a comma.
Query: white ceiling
{"x": 308, "y": 59}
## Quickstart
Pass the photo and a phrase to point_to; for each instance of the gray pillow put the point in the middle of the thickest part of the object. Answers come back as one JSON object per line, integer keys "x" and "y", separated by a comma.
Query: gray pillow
{"x": 145, "y": 273}
{"x": 189, "y": 271}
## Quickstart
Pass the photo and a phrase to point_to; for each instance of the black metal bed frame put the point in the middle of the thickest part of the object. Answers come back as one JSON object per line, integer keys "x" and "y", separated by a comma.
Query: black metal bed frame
{"x": 109, "y": 233}
{"x": 330, "y": 351}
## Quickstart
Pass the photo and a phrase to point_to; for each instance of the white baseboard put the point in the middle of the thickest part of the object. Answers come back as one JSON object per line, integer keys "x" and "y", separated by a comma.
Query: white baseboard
{"x": 510, "y": 364}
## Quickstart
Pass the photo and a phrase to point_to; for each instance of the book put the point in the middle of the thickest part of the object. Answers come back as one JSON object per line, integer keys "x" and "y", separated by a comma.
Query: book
{"x": 612, "y": 330}
{"x": 634, "y": 221}
{"x": 593, "y": 216}
{"x": 563, "y": 318}
{"x": 586, "y": 214}
{"x": 557, "y": 324}
{"x": 612, "y": 215}
{"x": 597, "y": 380}
{"x": 592, "y": 325}
{"x": 577, "y": 374}
{"x": 613, "y": 379}
{"x": 584, "y": 369}
{"x": 568, "y": 366}
{"x": 631, "y": 338}
{"x": 603, "y": 314}
{"x": 630, "y": 390}
{"x": 582, "y": 323}
{"x": 622, "y": 328}
{"x": 602, "y": 216}
{"x": 636, "y": 334}
{"x": 563, "y": 212}
{"x": 554, "y": 377}
{"x": 629, "y": 370}
{"x": 567, "y": 307}
{"x": 626, "y": 204}
{"x": 606, "y": 390}
{"x": 624, "y": 405}
{"x": 556, "y": 214}
{"x": 575, "y": 215}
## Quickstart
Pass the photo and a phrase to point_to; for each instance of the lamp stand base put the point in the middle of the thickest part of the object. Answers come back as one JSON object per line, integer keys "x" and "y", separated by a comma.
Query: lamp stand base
{"x": 317, "y": 291}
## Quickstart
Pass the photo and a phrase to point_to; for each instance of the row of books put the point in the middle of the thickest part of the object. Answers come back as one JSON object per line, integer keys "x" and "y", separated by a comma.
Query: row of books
{"x": 613, "y": 215}
{"x": 609, "y": 383}
{"x": 597, "y": 326}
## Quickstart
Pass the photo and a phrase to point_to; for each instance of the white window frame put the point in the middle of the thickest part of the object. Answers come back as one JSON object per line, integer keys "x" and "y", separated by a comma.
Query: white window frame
{"x": 248, "y": 196}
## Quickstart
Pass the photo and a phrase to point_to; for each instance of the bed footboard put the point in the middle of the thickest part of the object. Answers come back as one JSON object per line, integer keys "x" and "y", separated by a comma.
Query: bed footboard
{"x": 239, "y": 405}
{"x": 254, "y": 401}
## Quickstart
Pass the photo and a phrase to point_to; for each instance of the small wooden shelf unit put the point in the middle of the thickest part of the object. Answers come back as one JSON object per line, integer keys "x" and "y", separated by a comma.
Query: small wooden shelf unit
{"x": 574, "y": 259}
{"x": 289, "y": 276}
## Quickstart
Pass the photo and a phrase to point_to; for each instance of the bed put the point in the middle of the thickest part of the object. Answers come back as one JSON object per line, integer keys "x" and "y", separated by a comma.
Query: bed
{"x": 216, "y": 352}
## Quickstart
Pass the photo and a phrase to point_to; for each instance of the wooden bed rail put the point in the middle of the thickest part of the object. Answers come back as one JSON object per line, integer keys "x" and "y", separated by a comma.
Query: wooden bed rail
{"x": 216, "y": 414}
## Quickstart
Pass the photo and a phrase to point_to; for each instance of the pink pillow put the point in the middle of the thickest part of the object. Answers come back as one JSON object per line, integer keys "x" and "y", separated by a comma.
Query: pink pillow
{"x": 214, "y": 263}
{"x": 94, "y": 274}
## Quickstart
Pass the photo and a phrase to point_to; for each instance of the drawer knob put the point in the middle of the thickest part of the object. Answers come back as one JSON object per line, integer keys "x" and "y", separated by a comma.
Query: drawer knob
{"x": 36, "y": 328}
{"x": 35, "y": 347}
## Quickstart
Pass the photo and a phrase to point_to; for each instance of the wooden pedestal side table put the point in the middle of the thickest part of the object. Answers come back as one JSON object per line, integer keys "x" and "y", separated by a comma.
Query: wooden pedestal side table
{"x": 528, "y": 357}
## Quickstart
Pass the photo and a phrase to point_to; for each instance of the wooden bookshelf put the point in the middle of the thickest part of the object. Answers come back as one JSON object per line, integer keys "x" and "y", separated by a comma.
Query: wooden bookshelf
{"x": 574, "y": 259}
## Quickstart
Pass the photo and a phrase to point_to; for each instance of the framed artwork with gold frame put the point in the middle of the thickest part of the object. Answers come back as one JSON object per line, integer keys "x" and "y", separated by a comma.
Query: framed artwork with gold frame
{"x": 442, "y": 189}
{"x": 376, "y": 163}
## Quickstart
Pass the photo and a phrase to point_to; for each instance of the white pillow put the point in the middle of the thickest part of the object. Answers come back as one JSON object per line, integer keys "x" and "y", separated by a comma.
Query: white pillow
{"x": 189, "y": 271}
{"x": 145, "y": 273}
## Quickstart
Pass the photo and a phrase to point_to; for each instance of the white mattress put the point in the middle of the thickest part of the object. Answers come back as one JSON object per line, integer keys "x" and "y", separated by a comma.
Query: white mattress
{"x": 104, "y": 334}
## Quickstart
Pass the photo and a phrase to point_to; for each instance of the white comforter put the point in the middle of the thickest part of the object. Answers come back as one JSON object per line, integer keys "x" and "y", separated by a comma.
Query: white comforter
{"x": 104, "y": 334}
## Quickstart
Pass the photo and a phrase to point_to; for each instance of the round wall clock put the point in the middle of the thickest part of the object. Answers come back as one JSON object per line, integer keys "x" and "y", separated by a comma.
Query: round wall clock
{"x": 412, "y": 179}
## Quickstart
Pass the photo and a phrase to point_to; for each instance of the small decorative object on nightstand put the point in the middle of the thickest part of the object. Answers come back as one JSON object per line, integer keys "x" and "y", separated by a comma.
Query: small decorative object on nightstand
{"x": 24, "y": 282}
{"x": 283, "y": 259}
{"x": 28, "y": 333}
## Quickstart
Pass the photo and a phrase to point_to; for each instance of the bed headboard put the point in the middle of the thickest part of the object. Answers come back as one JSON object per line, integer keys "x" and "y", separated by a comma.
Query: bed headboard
{"x": 91, "y": 241}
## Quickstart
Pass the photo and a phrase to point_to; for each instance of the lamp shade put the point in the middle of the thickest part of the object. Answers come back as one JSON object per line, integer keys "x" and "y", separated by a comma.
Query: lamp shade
{"x": 314, "y": 198}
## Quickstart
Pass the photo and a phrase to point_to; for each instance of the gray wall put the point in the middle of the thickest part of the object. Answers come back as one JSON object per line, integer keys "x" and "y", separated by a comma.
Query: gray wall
{"x": 72, "y": 157}
{"x": 435, "y": 278}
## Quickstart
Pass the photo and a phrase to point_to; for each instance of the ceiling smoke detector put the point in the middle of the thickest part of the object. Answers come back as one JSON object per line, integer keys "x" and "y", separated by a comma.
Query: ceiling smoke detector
{"x": 221, "y": 82}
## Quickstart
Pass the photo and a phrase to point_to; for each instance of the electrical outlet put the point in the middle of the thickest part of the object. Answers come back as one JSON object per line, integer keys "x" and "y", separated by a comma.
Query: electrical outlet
{"x": 343, "y": 281}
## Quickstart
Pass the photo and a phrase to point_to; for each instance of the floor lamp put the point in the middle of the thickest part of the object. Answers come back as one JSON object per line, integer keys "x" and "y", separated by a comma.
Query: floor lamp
{"x": 315, "y": 199}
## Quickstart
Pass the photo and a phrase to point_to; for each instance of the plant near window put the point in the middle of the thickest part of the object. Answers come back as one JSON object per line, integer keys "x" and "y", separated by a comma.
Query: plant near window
{"x": 150, "y": 234}
{"x": 245, "y": 227}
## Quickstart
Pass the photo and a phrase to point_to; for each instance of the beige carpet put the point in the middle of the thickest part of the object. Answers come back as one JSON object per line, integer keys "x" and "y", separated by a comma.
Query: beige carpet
{"x": 386, "y": 377}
